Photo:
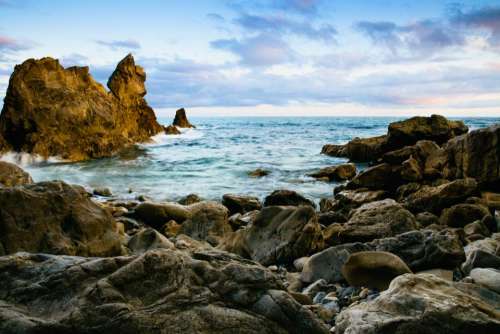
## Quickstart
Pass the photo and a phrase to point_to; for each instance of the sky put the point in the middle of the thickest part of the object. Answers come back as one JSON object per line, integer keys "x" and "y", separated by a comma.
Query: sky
{"x": 275, "y": 57}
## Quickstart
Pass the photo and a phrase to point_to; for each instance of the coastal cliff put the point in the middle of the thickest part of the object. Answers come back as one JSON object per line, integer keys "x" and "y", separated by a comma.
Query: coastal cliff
{"x": 54, "y": 111}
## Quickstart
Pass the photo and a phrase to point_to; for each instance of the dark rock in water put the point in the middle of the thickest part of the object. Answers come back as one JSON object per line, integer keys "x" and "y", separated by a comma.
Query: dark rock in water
{"x": 208, "y": 221}
{"x": 240, "y": 204}
{"x": 56, "y": 218}
{"x": 287, "y": 197}
{"x": 162, "y": 290}
{"x": 435, "y": 199}
{"x": 278, "y": 235}
{"x": 460, "y": 215}
{"x": 102, "y": 191}
{"x": 435, "y": 128}
{"x": 373, "y": 269}
{"x": 336, "y": 173}
{"x": 190, "y": 199}
{"x": 475, "y": 155}
{"x": 181, "y": 120}
{"x": 424, "y": 303}
{"x": 358, "y": 149}
{"x": 334, "y": 150}
{"x": 258, "y": 173}
{"x": 11, "y": 175}
{"x": 53, "y": 111}
{"x": 380, "y": 219}
{"x": 171, "y": 130}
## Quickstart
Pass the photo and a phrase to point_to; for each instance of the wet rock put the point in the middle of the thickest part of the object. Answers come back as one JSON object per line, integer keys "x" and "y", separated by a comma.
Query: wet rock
{"x": 11, "y": 175}
{"x": 171, "y": 130}
{"x": 239, "y": 220}
{"x": 331, "y": 217}
{"x": 424, "y": 303}
{"x": 55, "y": 218}
{"x": 435, "y": 128}
{"x": 373, "y": 269}
{"x": 334, "y": 150}
{"x": 181, "y": 120}
{"x": 190, "y": 199}
{"x": 157, "y": 214}
{"x": 102, "y": 191}
{"x": 148, "y": 239}
{"x": 460, "y": 215}
{"x": 475, "y": 155}
{"x": 377, "y": 220}
{"x": 53, "y": 111}
{"x": 287, "y": 197}
{"x": 480, "y": 259}
{"x": 487, "y": 277}
{"x": 259, "y": 172}
{"x": 202, "y": 292}
{"x": 435, "y": 199}
{"x": 278, "y": 235}
{"x": 240, "y": 204}
{"x": 208, "y": 221}
{"x": 336, "y": 173}
{"x": 365, "y": 149}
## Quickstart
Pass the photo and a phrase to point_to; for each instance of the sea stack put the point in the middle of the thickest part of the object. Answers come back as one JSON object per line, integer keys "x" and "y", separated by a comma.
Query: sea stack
{"x": 50, "y": 110}
{"x": 181, "y": 120}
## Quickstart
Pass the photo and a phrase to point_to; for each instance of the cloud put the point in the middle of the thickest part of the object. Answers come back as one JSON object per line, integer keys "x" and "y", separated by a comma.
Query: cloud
{"x": 283, "y": 25}
{"x": 304, "y": 7}
{"x": 261, "y": 50}
{"x": 74, "y": 59}
{"x": 120, "y": 44}
{"x": 8, "y": 44}
{"x": 422, "y": 36}
{"x": 486, "y": 18}
{"x": 216, "y": 17}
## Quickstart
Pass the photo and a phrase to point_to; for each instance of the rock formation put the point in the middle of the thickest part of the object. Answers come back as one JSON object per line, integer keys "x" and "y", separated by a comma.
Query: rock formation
{"x": 52, "y": 111}
{"x": 181, "y": 120}
{"x": 11, "y": 175}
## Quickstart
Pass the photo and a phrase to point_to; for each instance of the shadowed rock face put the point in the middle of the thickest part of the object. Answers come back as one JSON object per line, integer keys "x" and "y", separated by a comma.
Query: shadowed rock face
{"x": 53, "y": 111}
{"x": 160, "y": 291}
{"x": 181, "y": 120}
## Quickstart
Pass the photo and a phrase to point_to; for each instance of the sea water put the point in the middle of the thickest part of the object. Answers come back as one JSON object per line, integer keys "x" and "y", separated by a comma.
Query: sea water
{"x": 214, "y": 158}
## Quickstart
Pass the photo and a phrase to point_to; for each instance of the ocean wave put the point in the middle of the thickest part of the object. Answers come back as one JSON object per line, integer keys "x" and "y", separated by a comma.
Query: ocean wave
{"x": 27, "y": 159}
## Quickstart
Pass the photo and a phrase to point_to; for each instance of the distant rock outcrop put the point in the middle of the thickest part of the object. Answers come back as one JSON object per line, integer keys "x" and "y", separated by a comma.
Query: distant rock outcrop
{"x": 181, "y": 120}
{"x": 53, "y": 111}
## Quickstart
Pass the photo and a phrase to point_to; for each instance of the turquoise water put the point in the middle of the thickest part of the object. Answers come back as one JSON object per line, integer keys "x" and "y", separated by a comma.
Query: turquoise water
{"x": 214, "y": 158}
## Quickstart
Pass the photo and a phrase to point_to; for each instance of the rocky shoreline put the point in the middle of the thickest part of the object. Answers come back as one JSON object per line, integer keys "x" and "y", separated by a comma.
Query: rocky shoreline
{"x": 410, "y": 244}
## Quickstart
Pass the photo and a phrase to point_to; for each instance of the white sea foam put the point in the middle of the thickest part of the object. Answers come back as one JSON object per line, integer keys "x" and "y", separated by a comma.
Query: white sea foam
{"x": 162, "y": 139}
{"x": 27, "y": 159}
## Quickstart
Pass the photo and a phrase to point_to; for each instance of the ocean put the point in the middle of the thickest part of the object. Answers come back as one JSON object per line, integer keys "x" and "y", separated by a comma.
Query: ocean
{"x": 214, "y": 158}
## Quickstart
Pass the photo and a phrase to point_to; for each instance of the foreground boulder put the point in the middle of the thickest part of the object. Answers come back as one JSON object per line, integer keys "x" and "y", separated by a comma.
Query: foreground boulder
{"x": 56, "y": 218}
{"x": 287, "y": 197}
{"x": 373, "y": 269}
{"x": 424, "y": 303}
{"x": 161, "y": 291}
{"x": 53, "y": 111}
{"x": 278, "y": 235}
{"x": 11, "y": 175}
{"x": 157, "y": 214}
{"x": 181, "y": 120}
{"x": 208, "y": 221}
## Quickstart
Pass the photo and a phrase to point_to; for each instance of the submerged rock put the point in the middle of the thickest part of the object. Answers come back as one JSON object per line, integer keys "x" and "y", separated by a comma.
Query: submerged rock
{"x": 55, "y": 218}
{"x": 424, "y": 303}
{"x": 181, "y": 120}
{"x": 259, "y": 172}
{"x": 171, "y": 130}
{"x": 53, "y": 111}
{"x": 278, "y": 235}
{"x": 163, "y": 290}
{"x": 11, "y": 175}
